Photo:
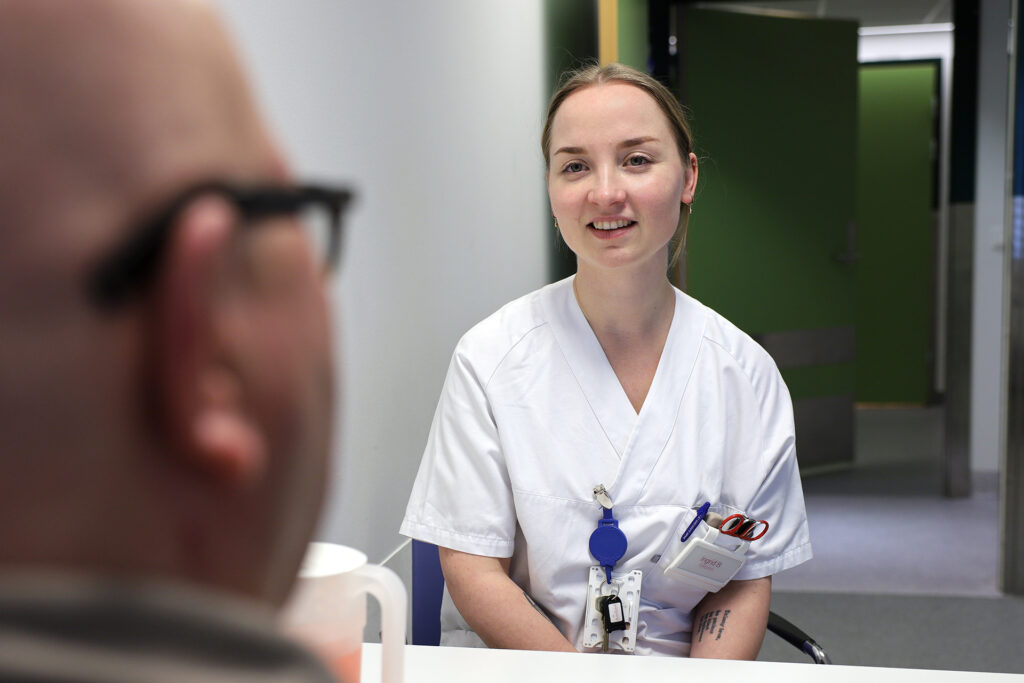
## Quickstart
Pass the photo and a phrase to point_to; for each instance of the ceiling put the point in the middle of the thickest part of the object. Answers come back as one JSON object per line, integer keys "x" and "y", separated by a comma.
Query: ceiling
{"x": 867, "y": 12}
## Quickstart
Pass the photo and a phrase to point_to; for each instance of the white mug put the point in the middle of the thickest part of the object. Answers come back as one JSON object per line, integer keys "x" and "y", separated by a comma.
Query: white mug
{"x": 327, "y": 610}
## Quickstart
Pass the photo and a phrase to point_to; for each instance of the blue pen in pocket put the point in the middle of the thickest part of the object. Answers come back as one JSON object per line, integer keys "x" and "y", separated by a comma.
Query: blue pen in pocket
{"x": 701, "y": 512}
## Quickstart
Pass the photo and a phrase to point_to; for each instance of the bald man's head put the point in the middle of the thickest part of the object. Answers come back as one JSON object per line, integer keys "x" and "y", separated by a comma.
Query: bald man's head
{"x": 108, "y": 106}
{"x": 200, "y": 408}
{"x": 113, "y": 102}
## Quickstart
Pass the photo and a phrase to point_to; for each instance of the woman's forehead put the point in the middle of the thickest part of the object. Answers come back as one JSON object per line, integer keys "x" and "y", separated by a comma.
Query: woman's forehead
{"x": 608, "y": 110}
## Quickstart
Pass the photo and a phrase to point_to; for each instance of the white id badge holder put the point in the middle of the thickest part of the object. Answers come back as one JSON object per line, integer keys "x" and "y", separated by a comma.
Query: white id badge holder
{"x": 626, "y": 585}
{"x": 708, "y": 559}
{"x": 613, "y": 599}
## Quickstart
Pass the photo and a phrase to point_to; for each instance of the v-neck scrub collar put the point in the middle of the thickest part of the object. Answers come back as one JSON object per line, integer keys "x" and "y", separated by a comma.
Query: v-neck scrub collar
{"x": 637, "y": 439}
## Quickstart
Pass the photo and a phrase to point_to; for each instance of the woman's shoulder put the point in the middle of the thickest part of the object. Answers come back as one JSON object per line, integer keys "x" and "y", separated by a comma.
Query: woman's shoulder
{"x": 491, "y": 339}
{"x": 734, "y": 343}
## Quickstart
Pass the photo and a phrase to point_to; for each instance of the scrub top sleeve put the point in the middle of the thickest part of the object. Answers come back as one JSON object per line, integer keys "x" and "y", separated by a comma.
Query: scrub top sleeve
{"x": 780, "y": 498}
{"x": 462, "y": 497}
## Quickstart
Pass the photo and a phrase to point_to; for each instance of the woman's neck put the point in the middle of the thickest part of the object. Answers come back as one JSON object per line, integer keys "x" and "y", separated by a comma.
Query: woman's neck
{"x": 634, "y": 304}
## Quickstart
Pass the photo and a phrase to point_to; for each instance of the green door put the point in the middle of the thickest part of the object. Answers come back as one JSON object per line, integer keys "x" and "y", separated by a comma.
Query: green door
{"x": 895, "y": 276}
{"x": 770, "y": 245}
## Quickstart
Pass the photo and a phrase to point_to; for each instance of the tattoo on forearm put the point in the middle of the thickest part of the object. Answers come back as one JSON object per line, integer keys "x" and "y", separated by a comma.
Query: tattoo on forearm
{"x": 721, "y": 628}
{"x": 709, "y": 622}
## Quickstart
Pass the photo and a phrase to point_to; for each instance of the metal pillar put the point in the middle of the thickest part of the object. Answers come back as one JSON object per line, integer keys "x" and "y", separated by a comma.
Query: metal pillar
{"x": 1012, "y": 492}
{"x": 956, "y": 458}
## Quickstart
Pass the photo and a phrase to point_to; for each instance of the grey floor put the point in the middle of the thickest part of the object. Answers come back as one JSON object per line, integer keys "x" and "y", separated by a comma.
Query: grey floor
{"x": 901, "y": 576}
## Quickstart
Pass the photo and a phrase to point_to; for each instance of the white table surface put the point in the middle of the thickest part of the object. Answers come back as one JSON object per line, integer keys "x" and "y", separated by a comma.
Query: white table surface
{"x": 424, "y": 664}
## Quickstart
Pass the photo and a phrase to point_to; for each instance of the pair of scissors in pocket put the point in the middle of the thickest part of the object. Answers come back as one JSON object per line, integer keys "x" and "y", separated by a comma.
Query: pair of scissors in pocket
{"x": 743, "y": 527}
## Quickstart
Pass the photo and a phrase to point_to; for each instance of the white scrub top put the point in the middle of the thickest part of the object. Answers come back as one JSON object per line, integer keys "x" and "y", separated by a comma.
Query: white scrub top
{"x": 532, "y": 418}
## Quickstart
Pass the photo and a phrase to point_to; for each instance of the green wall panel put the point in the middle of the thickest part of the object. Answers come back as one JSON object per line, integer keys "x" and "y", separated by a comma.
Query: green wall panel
{"x": 895, "y": 279}
{"x": 819, "y": 380}
{"x": 633, "y": 23}
{"x": 570, "y": 36}
{"x": 774, "y": 111}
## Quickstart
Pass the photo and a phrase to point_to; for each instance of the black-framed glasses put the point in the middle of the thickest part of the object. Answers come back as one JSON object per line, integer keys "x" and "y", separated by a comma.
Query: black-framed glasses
{"x": 131, "y": 265}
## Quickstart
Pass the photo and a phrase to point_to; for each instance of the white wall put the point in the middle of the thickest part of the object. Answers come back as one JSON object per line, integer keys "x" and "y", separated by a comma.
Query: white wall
{"x": 988, "y": 362}
{"x": 933, "y": 44}
{"x": 432, "y": 110}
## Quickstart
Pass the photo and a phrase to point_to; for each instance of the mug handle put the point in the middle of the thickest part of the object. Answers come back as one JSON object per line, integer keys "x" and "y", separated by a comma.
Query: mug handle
{"x": 384, "y": 585}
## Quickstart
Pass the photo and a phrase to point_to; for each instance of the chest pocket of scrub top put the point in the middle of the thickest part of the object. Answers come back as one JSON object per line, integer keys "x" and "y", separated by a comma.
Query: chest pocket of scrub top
{"x": 705, "y": 560}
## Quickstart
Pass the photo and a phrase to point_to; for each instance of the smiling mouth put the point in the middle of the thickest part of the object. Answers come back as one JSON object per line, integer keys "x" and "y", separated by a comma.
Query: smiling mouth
{"x": 611, "y": 225}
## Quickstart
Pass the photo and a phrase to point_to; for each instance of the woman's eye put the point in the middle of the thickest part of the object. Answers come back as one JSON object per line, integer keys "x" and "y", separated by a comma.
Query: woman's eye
{"x": 637, "y": 160}
{"x": 574, "y": 167}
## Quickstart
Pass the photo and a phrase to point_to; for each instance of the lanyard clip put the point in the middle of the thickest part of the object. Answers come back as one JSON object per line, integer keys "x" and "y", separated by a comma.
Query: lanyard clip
{"x": 602, "y": 497}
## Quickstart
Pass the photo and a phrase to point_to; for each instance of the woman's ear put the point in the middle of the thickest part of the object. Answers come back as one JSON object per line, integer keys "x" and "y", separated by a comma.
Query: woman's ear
{"x": 200, "y": 401}
{"x": 690, "y": 179}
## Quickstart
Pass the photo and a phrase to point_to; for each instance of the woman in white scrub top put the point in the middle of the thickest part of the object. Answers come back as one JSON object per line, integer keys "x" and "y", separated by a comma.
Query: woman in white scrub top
{"x": 611, "y": 377}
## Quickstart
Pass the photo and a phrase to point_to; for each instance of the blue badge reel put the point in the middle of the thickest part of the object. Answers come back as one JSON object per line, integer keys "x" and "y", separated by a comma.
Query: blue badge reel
{"x": 607, "y": 543}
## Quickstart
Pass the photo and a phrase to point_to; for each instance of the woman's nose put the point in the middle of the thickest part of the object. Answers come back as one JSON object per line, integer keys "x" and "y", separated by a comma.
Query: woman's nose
{"x": 607, "y": 190}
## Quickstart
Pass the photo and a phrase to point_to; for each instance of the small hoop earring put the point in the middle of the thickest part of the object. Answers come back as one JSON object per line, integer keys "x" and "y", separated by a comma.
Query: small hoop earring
{"x": 556, "y": 224}
{"x": 689, "y": 207}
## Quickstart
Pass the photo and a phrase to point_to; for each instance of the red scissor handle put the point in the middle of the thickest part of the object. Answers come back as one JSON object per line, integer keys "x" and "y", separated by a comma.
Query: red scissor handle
{"x": 743, "y": 527}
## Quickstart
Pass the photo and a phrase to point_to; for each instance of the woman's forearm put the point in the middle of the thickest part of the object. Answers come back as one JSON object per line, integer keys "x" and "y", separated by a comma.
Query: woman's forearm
{"x": 730, "y": 624}
{"x": 497, "y": 609}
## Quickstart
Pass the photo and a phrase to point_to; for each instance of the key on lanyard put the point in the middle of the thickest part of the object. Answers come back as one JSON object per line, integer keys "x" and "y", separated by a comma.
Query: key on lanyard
{"x": 612, "y": 615}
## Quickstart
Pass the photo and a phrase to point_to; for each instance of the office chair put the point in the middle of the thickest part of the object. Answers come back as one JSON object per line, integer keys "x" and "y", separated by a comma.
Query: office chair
{"x": 428, "y": 589}
{"x": 427, "y": 592}
{"x": 785, "y": 629}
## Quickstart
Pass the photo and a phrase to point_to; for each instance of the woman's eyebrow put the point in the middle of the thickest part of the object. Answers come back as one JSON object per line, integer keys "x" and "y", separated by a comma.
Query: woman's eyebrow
{"x": 633, "y": 142}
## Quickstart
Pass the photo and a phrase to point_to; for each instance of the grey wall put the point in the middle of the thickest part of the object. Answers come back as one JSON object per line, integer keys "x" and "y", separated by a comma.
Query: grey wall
{"x": 433, "y": 111}
{"x": 988, "y": 362}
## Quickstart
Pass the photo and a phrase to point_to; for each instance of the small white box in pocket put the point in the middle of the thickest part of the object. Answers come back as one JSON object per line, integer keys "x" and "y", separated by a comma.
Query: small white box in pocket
{"x": 708, "y": 559}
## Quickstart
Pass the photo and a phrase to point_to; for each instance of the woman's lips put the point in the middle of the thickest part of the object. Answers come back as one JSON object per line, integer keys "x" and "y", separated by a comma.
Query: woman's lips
{"x": 610, "y": 229}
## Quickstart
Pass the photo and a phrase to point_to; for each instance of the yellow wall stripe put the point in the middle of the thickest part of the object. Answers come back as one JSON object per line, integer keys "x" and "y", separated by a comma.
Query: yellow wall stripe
{"x": 608, "y": 31}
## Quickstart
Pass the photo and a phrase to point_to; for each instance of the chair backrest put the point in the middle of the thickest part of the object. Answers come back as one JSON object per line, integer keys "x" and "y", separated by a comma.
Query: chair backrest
{"x": 427, "y": 591}
{"x": 786, "y": 630}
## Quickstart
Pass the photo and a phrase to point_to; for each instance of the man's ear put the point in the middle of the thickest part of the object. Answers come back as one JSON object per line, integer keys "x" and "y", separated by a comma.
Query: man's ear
{"x": 200, "y": 398}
